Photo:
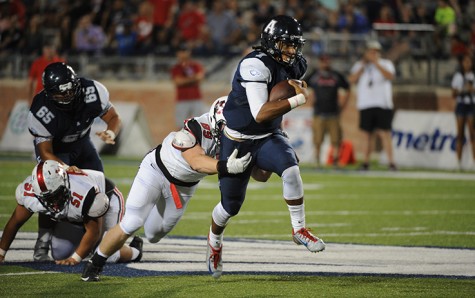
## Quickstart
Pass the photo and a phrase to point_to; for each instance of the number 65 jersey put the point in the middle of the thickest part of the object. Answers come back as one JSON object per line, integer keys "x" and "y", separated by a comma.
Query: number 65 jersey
{"x": 87, "y": 195}
{"x": 46, "y": 122}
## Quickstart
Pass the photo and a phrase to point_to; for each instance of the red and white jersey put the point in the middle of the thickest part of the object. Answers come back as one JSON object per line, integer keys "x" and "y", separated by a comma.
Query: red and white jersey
{"x": 174, "y": 161}
{"x": 84, "y": 188}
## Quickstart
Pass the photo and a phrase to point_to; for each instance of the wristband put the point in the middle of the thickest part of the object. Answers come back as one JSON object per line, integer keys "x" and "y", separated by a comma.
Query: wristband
{"x": 111, "y": 134}
{"x": 76, "y": 257}
{"x": 3, "y": 252}
{"x": 222, "y": 167}
{"x": 296, "y": 101}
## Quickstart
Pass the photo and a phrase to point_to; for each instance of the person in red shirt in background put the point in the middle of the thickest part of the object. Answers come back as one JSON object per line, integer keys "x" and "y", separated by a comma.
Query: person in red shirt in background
{"x": 144, "y": 24}
{"x": 191, "y": 27}
{"x": 164, "y": 12}
{"x": 187, "y": 75}
{"x": 49, "y": 55}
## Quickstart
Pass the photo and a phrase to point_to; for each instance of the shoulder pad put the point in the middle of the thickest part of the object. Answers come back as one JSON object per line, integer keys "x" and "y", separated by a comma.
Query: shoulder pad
{"x": 183, "y": 140}
{"x": 100, "y": 205}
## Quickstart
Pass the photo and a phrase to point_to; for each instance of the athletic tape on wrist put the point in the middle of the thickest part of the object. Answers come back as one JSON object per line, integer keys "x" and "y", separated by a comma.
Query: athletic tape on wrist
{"x": 76, "y": 257}
{"x": 296, "y": 100}
{"x": 222, "y": 167}
{"x": 111, "y": 134}
{"x": 3, "y": 252}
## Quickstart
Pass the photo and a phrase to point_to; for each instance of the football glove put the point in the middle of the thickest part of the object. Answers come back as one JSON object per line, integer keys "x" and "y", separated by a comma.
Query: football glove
{"x": 234, "y": 165}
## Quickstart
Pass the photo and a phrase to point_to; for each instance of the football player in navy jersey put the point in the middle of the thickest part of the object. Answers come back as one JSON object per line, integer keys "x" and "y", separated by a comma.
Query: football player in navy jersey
{"x": 253, "y": 125}
{"x": 60, "y": 120}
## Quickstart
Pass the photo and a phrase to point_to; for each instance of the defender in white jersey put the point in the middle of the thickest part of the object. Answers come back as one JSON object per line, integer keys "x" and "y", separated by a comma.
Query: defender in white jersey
{"x": 83, "y": 206}
{"x": 167, "y": 179}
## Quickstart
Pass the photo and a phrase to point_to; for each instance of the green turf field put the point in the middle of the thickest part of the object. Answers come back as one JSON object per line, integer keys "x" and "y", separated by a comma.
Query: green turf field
{"x": 341, "y": 207}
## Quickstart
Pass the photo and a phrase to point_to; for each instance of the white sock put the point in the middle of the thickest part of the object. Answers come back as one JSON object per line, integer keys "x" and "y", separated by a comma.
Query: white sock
{"x": 297, "y": 216}
{"x": 215, "y": 240}
{"x": 114, "y": 258}
{"x": 99, "y": 252}
{"x": 135, "y": 253}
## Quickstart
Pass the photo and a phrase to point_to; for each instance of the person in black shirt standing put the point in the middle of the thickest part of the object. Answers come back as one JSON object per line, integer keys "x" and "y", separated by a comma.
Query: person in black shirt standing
{"x": 326, "y": 83}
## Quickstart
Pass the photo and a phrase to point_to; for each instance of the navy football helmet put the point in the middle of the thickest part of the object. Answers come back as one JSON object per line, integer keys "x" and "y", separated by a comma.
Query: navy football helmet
{"x": 281, "y": 32}
{"x": 62, "y": 85}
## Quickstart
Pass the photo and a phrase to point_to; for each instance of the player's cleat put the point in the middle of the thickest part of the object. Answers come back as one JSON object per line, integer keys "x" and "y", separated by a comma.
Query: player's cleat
{"x": 137, "y": 243}
{"x": 214, "y": 260}
{"x": 311, "y": 242}
{"x": 91, "y": 272}
{"x": 41, "y": 250}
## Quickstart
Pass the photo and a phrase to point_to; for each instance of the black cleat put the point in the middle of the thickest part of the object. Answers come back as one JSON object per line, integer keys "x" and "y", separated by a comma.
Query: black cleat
{"x": 137, "y": 243}
{"x": 91, "y": 272}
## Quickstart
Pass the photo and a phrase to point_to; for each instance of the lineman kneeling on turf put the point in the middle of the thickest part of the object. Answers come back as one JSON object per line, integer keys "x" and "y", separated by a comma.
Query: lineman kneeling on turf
{"x": 85, "y": 205}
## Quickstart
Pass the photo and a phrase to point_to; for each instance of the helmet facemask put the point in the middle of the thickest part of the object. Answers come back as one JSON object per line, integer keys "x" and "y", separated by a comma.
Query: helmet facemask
{"x": 281, "y": 38}
{"x": 286, "y": 50}
{"x": 64, "y": 96}
{"x": 62, "y": 86}
{"x": 57, "y": 200}
{"x": 216, "y": 118}
{"x": 51, "y": 185}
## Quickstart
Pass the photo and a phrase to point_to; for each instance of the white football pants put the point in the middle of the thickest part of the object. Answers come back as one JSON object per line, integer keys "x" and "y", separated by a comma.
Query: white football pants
{"x": 151, "y": 203}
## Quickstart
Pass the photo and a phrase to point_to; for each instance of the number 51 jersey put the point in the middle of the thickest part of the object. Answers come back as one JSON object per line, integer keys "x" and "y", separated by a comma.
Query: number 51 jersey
{"x": 84, "y": 188}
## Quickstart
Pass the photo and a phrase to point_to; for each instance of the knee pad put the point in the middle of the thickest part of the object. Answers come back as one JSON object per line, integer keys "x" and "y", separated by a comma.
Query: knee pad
{"x": 293, "y": 185}
{"x": 220, "y": 216}
{"x": 62, "y": 248}
{"x": 66, "y": 238}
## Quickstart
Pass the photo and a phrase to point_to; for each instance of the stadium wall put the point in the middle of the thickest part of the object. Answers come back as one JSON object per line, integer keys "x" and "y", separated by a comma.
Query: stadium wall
{"x": 157, "y": 101}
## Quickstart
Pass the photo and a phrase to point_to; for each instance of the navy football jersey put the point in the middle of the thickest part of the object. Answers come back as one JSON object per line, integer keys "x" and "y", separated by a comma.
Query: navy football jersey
{"x": 257, "y": 66}
{"x": 46, "y": 122}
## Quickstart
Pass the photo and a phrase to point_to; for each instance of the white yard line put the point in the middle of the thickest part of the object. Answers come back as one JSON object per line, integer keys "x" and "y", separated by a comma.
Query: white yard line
{"x": 29, "y": 273}
{"x": 267, "y": 256}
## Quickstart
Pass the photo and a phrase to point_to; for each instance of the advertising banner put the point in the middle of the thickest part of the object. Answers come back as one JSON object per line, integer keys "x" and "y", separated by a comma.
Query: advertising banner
{"x": 427, "y": 140}
{"x": 133, "y": 140}
{"x": 298, "y": 125}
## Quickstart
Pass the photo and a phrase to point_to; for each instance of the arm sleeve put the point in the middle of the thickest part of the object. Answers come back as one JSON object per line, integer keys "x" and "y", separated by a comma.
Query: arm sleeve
{"x": 254, "y": 70}
{"x": 103, "y": 97}
{"x": 36, "y": 127}
{"x": 257, "y": 96}
{"x": 256, "y": 76}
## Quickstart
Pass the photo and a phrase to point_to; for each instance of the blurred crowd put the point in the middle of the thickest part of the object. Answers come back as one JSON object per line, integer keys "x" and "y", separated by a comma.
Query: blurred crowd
{"x": 221, "y": 27}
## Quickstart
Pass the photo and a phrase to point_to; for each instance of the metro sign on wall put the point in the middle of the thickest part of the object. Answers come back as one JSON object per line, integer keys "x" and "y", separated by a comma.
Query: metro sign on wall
{"x": 427, "y": 140}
